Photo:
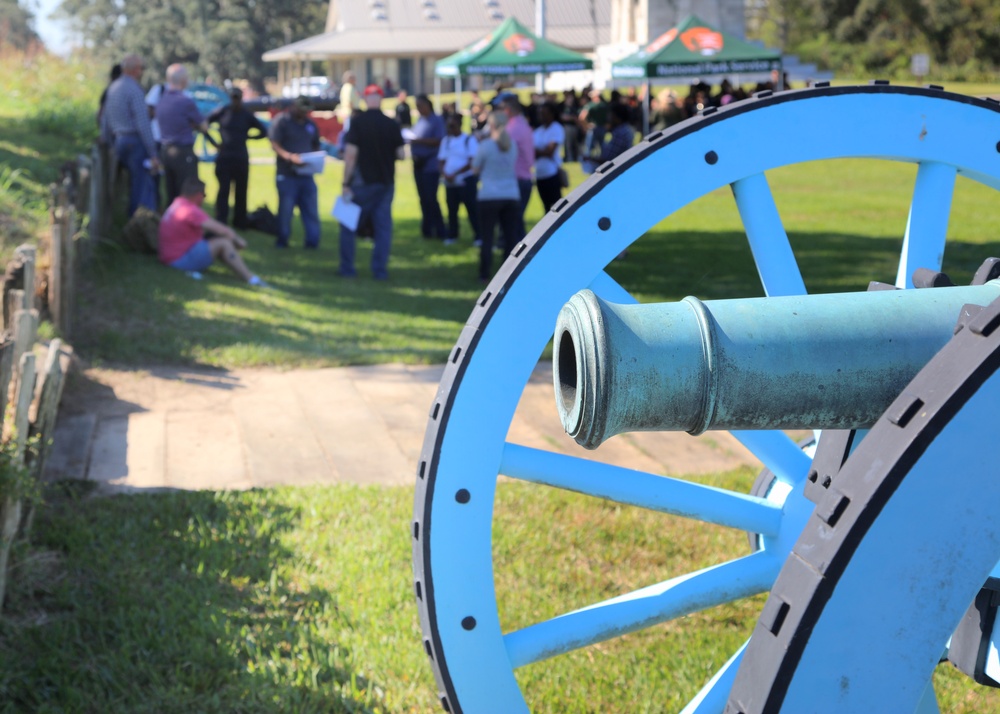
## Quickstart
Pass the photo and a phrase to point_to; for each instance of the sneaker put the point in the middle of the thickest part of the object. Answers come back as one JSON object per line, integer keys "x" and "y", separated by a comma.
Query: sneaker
{"x": 449, "y": 241}
{"x": 256, "y": 282}
{"x": 194, "y": 275}
{"x": 477, "y": 243}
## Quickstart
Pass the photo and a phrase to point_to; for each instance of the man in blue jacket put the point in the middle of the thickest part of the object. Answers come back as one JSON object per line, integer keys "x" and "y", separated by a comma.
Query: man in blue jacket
{"x": 427, "y": 135}
{"x": 292, "y": 134}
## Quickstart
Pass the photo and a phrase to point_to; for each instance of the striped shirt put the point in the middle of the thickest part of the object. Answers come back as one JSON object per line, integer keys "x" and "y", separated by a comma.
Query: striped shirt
{"x": 126, "y": 111}
{"x": 622, "y": 138}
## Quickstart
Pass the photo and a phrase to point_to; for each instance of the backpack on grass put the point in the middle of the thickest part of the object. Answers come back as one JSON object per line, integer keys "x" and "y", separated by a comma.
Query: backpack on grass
{"x": 263, "y": 220}
{"x": 142, "y": 232}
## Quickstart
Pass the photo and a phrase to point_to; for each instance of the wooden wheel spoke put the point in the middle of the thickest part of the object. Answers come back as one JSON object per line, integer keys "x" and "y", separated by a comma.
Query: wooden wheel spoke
{"x": 636, "y": 488}
{"x": 664, "y": 601}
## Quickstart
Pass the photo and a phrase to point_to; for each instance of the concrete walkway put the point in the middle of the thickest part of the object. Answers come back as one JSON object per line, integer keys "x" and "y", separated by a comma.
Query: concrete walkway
{"x": 216, "y": 429}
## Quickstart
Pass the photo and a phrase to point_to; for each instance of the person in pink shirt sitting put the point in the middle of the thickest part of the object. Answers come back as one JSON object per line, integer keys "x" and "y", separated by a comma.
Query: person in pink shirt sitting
{"x": 524, "y": 139}
{"x": 182, "y": 237}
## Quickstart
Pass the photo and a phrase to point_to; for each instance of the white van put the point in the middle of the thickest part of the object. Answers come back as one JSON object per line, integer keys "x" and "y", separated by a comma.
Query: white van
{"x": 308, "y": 86}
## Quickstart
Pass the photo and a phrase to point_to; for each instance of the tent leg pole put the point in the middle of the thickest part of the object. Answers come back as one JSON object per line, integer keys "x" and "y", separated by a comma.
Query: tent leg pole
{"x": 645, "y": 108}
{"x": 437, "y": 94}
{"x": 458, "y": 96}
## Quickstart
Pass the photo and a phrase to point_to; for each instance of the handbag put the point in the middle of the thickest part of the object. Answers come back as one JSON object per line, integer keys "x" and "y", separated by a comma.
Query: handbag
{"x": 563, "y": 178}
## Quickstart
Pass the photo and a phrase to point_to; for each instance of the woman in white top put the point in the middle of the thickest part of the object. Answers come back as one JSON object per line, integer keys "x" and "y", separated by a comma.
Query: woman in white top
{"x": 455, "y": 160}
{"x": 549, "y": 138}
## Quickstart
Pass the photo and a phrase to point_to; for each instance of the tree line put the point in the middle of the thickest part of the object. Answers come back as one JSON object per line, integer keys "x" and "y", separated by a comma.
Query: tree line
{"x": 223, "y": 39}
{"x": 862, "y": 38}
{"x": 16, "y": 26}
{"x": 217, "y": 39}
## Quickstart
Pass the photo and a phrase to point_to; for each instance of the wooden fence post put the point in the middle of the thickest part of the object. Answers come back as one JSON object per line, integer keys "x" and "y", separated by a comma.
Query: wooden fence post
{"x": 97, "y": 185}
{"x": 69, "y": 236}
{"x": 13, "y": 303}
{"x": 56, "y": 272}
{"x": 82, "y": 175}
{"x": 10, "y": 512}
{"x": 10, "y": 519}
{"x": 6, "y": 372}
{"x": 28, "y": 255}
{"x": 25, "y": 332}
{"x": 44, "y": 422}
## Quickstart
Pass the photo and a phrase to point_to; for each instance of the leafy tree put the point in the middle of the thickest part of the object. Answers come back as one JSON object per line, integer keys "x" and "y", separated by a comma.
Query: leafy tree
{"x": 16, "y": 26}
{"x": 783, "y": 23}
{"x": 217, "y": 39}
{"x": 827, "y": 14}
{"x": 961, "y": 31}
{"x": 879, "y": 36}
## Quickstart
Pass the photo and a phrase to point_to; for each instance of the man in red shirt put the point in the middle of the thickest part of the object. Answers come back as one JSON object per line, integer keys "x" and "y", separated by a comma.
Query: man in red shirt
{"x": 183, "y": 243}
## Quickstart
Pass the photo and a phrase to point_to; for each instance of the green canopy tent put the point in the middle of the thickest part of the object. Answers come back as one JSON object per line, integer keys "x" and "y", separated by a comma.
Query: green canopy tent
{"x": 510, "y": 49}
{"x": 693, "y": 49}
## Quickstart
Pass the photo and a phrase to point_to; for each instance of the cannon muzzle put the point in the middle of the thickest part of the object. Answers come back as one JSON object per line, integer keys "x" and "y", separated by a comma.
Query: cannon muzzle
{"x": 832, "y": 361}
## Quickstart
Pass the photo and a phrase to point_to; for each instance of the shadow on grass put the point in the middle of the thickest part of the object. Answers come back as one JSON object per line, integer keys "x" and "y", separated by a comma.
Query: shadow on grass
{"x": 134, "y": 311}
{"x": 173, "y": 602}
{"x": 719, "y": 265}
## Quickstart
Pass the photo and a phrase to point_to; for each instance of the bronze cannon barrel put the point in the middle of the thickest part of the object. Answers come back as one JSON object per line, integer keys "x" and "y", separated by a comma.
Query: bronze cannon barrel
{"x": 833, "y": 361}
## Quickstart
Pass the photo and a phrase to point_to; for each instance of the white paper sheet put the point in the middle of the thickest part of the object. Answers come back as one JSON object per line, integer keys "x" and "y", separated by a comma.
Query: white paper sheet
{"x": 313, "y": 162}
{"x": 346, "y": 212}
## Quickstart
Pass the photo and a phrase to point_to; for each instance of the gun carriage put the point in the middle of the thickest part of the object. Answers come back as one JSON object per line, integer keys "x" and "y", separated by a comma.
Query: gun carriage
{"x": 877, "y": 545}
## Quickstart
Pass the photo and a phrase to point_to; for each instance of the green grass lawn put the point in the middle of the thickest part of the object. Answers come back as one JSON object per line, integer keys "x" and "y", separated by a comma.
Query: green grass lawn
{"x": 47, "y": 117}
{"x": 845, "y": 220}
{"x": 301, "y": 600}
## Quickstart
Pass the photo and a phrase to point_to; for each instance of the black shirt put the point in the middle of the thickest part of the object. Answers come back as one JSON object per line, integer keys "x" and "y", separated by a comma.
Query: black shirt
{"x": 403, "y": 116}
{"x": 234, "y": 126}
{"x": 295, "y": 138}
{"x": 377, "y": 138}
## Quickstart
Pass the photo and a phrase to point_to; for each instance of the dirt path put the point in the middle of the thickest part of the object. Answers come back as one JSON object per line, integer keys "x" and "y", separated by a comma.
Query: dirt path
{"x": 217, "y": 429}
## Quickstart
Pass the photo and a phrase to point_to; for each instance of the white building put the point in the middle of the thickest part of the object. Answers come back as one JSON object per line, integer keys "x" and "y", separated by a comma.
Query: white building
{"x": 402, "y": 39}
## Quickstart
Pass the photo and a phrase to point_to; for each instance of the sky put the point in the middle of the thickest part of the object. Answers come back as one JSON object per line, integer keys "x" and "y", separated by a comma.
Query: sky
{"x": 54, "y": 34}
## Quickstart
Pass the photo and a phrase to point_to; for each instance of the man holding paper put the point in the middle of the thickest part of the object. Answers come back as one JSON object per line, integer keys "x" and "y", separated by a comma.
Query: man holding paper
{"x": 295, "y": 140}
{"x": 371, "y": 148}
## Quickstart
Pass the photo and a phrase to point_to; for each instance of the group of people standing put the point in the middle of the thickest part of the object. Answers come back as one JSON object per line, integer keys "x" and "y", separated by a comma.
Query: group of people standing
{"x": 152, "y": 135}
{"x": 491, "y": 171}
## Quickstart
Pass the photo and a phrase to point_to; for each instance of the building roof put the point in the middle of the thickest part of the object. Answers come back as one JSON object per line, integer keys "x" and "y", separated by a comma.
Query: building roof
{"x": 440, "y": 27}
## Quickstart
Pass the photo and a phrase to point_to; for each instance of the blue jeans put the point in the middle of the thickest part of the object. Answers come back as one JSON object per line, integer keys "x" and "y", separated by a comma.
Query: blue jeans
{"x": 594, "y": 140}
{"x": 491, "y": 213}
{"x": 525, "y": 187}
{"x": 431, "y": 220}
{"x": 131, "y": 154}
{"x": 375, "y": 200}
{"x": 297, "y": 191}
{"x": 197, "y": 258}
{"x": 455, "y": 196}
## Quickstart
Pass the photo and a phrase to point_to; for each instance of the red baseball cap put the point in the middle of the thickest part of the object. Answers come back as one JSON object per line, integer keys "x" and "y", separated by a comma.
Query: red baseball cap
{"x": 373, "y": 89}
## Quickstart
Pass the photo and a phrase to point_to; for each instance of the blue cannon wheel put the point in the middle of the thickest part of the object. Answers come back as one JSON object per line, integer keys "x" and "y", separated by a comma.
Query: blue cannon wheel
{"x": 208, "y": 98}
{"x": 465, "y": 448}
{"x": 856, "y": 623}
